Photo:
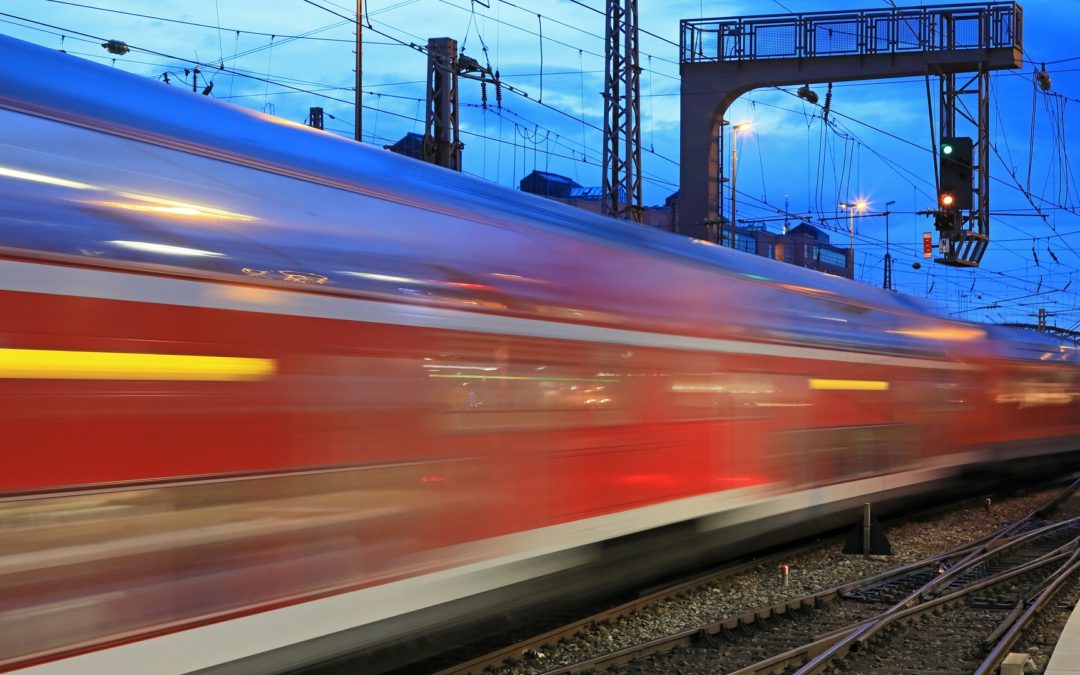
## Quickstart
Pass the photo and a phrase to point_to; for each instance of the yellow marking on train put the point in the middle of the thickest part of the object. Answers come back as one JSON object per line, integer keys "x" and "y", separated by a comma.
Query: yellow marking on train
{"x": 849, "y": 385}
{"x": 954, "y": 334}
{"x": 47, "y": 364}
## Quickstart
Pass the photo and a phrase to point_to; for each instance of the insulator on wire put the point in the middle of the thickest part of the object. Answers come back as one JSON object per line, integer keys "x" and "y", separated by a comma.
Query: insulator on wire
{"x": 118, "y": 47}
{"x": 498, "y": 90}
{"x": 828, "y": 103}
{"x": 1042, "y": 78}
{"x": 807, "y": 94}
{"x": 483, "y": 81}
{"x": 468, "y": 63}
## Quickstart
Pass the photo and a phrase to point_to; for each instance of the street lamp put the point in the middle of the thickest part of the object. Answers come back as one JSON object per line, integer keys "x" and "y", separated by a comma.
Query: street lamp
{"x": 741, "y": 126}
{"x": 859, "y": 205}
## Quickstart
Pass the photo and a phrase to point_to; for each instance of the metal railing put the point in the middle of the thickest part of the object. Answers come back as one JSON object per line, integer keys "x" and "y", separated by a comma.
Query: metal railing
{"x": 969, "y": 26}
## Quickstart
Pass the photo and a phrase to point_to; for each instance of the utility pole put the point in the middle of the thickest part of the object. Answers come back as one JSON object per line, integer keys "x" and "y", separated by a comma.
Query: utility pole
{"x": 359, "y": 104}
{"x": 442, "y": 140}
{"x": 887, "y": 285}
{"x": 442, "y": 136}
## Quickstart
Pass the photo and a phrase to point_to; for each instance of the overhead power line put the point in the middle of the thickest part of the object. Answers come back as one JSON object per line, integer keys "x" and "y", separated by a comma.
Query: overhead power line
{"x": 166, "y": 19}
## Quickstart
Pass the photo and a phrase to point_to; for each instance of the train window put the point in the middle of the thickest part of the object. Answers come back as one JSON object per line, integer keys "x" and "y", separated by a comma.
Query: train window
{"x": 830, "y": 454}
{"x": 717, "y": 396}
{"x": 490, "y": 395}
{"x": 823, "y": 321}
{"x": 1047, "y": 390}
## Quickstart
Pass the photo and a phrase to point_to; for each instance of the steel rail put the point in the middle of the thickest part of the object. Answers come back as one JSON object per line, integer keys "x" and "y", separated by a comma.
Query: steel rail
{"x": 512, "y": 652}
{"x": 972, "y": 553}
{"x": 866, "y": 631}
{"x": 1013, "y": 629}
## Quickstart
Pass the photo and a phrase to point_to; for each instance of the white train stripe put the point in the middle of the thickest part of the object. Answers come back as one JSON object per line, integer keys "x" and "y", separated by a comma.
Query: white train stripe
{"x": 109, "y": 285}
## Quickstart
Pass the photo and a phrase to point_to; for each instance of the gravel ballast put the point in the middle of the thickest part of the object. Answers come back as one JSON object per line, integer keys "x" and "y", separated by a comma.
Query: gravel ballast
{"x": 810, "y": 572}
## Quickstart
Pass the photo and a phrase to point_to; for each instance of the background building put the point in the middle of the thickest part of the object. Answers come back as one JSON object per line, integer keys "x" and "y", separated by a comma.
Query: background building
{"x": 803, "y": 245}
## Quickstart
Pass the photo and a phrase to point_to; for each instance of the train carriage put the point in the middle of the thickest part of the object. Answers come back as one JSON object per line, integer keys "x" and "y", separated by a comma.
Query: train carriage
{"x": 270, "y": 395}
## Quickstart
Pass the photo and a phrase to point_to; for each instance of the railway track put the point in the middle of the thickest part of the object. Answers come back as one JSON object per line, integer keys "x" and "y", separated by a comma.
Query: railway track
{"x": 510, "y": 653}
{"x": 977, "y": 606}
{"x": 991, "y": 587}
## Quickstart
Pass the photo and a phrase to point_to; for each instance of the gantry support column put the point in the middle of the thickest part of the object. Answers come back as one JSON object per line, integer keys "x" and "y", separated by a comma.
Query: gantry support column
{"x": 966, "y": 243}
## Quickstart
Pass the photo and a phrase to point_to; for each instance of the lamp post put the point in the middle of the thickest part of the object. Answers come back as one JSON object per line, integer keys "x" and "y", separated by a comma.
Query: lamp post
{"x": 859, "y": 205}
{"x": 741, "y": 126}
{"x": 887, "y": 285}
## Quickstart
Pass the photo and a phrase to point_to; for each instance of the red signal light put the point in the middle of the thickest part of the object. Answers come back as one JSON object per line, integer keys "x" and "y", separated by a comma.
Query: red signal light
{"x": 947, "y": 199}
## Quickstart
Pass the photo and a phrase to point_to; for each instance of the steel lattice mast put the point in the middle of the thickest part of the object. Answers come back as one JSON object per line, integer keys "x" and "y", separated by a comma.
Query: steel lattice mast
{"x": 622, "y": 113}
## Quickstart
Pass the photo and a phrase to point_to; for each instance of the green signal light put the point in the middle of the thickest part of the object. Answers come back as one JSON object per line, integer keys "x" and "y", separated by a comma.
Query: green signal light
{"x": 946, "y": 149}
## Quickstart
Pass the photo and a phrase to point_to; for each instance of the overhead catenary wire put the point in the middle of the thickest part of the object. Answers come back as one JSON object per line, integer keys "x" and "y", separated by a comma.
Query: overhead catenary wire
{"x": 298, "y": 89}
{"x": 196, "y": 24}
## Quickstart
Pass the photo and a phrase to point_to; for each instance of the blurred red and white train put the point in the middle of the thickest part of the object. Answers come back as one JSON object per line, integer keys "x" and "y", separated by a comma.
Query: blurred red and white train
{"x": 267, "y": 394}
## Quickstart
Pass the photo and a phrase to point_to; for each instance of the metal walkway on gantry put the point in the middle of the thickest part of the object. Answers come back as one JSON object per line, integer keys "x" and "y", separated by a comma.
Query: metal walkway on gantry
{"x": 724, "y": 58}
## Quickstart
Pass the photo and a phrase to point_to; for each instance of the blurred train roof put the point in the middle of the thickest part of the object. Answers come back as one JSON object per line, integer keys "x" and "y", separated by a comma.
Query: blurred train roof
{"x": 53, "y": 84}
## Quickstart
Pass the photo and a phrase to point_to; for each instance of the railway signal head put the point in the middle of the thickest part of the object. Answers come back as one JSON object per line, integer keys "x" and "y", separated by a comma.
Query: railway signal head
{"x": 955, "y": 190}
{"x": 946, "y": 220}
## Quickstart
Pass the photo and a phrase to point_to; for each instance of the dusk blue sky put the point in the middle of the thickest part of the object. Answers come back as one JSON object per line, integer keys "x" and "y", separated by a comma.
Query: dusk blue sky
{"x": 878, "y": 149}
